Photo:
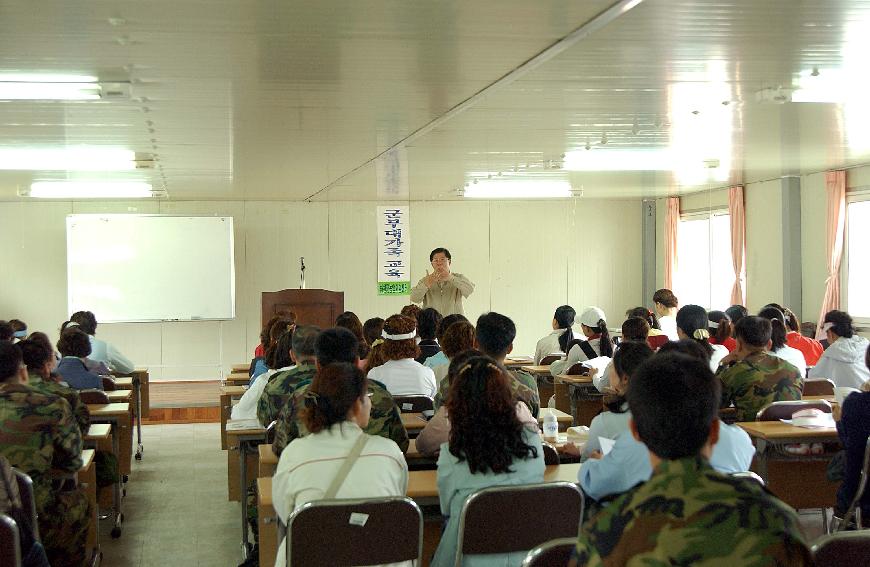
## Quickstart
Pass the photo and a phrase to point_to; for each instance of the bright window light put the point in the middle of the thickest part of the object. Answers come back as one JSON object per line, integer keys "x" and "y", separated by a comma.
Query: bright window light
{"x": 90, "y": 189}
{"x": 858, "y": 281}
{"x": 705, "y": 273}
{"x": 519, "y": 189}
{"x": 67, "y": 159}
{"x": 20, "y": 86}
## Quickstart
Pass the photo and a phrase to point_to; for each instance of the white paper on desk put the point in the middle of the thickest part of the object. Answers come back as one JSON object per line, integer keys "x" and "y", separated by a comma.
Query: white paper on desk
{"x": 826, "y": 422}
{"x": 606, "y": 444}
{"x": 599, "y": 363}
{"x": 241, "y": 424}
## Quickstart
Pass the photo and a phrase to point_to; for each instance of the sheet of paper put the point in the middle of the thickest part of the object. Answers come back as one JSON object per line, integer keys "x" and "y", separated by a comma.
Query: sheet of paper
{"x": 606, "y": 444}
{"x": 240, "y": 424}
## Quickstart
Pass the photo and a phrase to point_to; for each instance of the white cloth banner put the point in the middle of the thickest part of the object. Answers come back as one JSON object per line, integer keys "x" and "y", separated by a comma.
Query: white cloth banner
{"x": 394, "y": 249}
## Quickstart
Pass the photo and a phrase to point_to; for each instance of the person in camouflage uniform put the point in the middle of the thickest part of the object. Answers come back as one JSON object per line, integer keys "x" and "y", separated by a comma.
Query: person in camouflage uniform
{"x": 687, "y": 513}
{"x": 39, "y": 435}
{"x": 494, "y": 336}
{"x": 752, "y": 378}
{"x": 281, "y": 385}
{"x": 40, "y": 363}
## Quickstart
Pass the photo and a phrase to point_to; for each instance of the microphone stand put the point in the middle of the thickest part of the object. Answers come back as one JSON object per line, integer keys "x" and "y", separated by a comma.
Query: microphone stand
{"x": 302, "y": 272}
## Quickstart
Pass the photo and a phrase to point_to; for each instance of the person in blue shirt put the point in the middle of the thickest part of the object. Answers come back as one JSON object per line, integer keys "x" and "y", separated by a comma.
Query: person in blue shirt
{"x": 75, "y": 346}
{"x": 440, "y": 358}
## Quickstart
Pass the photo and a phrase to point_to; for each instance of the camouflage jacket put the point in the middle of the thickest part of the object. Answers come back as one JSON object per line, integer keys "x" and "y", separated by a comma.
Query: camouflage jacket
{"x": 756, "y": 381}
{"x": 524, "y": 388}
{"x": 38, "y": 434}
{"x": 384, "y": 419}
{"x": 689, "y": 514}
{"x": 79, "y": 408}
{"x": 279, "y": 389}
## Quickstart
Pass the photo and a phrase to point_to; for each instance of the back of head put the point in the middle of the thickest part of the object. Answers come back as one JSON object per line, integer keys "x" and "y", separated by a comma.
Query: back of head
{"x": 372, "y": 330}
{"x": 86, "y": 320}
{"x": 791, "y": 320}
{"x": 19, "y": 328}
{"x": 594, "y": 318}
{"x": 564, "y": 318}
{"x": 736, "y": 313}
{"x": 629, "y": 356}
{"x": 10, "y": 361}
{"x": 459, "y": 337}
{"x": 6, "y": 332}
{"x": 721, "y": 325}
{"x": 778, "y": 329}
{"x": 840, "y": 323}
{"x": 458, "y": 361}
{"x": 411, "y": 310}
{"x": 74, "y": 342}
{"x": 754, "y": 332}
{"x": 351, "y": 322}
{"x": 674, "y": 399}
{"x": 278, "y": 355}
{"x": 645, "y": 314}
{"x": 35, "y": 353}
{"x": 635, "y": 329}
{"x": 41, "y": 337}
{"x": 336, "y": 345}
{"x": 687, "y": 347}
{"x": 495, "y": 333}
{"x": 264, "y": 332}
{"x": 427, "y": 323}
{"x": 280, "y": 326}
{"x": 400, "y": 334}
{"x": 666, "y": 297}
{"x": 304, "y": 339}
{"x": 331, "y": 395}
{"x": 692, "y": 320}
{"x": 446, "y": 322}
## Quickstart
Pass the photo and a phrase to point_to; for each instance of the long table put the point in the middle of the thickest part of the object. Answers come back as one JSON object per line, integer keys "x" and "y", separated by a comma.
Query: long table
{"x": 225, "y": 402}
{"x": 586, "y": 400}
{"x": 242, "y": 440}
{"x": 118, "y": 415}
{"x": 87, "y": 476}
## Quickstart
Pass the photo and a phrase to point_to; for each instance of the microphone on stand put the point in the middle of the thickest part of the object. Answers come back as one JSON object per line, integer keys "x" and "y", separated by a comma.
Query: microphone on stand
{"x": 302, "y": 272}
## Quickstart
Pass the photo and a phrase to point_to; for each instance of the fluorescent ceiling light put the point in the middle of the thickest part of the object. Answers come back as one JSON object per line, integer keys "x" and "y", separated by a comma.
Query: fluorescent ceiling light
{"x": 20, "y": 86}
{"x": 67, "y": 159}
{"x": 519, "y": 189}
{"x": 90, "y": 189}
{"x": 619, "y": 160}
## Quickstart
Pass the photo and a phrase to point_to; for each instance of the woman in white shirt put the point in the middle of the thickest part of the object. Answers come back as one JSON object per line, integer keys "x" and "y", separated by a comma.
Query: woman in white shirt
{"x": 843, "y": 361}
{"x": 692, "y": 324}
{"x": 666, "y": 305}
{"x": 278, "y": 360}
{"x": 401, "y": 374}
{"x": 593, "y": 323}
{"x": 337, "y": 407}
{"x": 557, "y": 341}
{"x": 778, "y": 346}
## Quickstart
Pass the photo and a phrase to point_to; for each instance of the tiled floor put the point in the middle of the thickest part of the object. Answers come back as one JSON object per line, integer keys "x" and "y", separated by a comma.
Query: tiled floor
{"x": 176, "y": 510}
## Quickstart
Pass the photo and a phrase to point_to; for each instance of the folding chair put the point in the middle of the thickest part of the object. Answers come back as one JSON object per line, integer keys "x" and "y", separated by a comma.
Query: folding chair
{"x": 93, "y": 397}
{"x": 561, "y": 503}
{"x": 550, "y": 359}
{"x": 784, "y": 410}
{"x": 414, "y": 404}
{"x": 855, "y": 507}
{"x": 552, "y": 553}
{"x": 10, "y": 546}
{"x": 109, "y": 384}
{"x": 577, "y": 369}
{"x": 28, "y": 499}
{"x": 844, "y": 548}
{"x": 819, "y": 387}
{"x": 360, "y": 532}
{"x": 750, "y": 476}
{"x": 551, "y": 455}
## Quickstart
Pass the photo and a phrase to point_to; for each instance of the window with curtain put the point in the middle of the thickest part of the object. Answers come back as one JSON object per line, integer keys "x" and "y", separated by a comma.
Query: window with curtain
{"x": 705, "y": 273}
{"x": 858, "y": 267}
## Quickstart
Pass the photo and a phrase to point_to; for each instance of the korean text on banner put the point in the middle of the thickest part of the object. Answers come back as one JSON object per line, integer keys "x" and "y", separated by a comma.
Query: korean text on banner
{"x": 394, "y": 248}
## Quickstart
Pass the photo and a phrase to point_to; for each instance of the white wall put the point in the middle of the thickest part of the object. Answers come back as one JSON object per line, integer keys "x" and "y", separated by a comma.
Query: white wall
{"x": 525, "y": 258}
{"x": 763, "y": 204}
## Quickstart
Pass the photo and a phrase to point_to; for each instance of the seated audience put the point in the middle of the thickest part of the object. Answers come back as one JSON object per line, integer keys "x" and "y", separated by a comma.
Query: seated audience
{"x": 19, "y": 330}
{"x": 401, "y": 374}
{"x": 39, "y": 436}
{"x": 651, "y": 320}
{"x": 458, "y": 338}
{"x": 372, "y": 330}
{"x": 843, "y": 361}
{"x": 687, "y": 513}
{"x": 75, "y": 347}
{"x": 811, "y": 348}
{"x": 32, "y": 552}
{"x": 412, "y": 311}
{"x": 281, "y": 361}
{"x": 558, "y": 340}
{"x": 634, "y": 330}
{"x": 427, "y": 323}
{"x": 488, "y": 446}
{"x": 751, "y": 378}
{"x": 39, "y": 359}
{"x": 692, "y": 324}
{"x": 593, "y": 324}
{"x": 338, "y": 345}
{"x": 778, "y": 346}
{"x": 736, "y": 313}
{"x": 351, "y": 322}
{"x": 101, "y": 351}
{"x": 494, "y": 336}
{"x": 376, "y": 356}
{"x": 336, "y": 413}
{"x": 721, "y": 331}
{"x": 7, "y": 333}
{"x": 440, "y": 358}
{"x": 264, "y": 365}
{"x": 666, "y": 305}
{"x": 280, "y": 386}
{"x": 853, "y": 425}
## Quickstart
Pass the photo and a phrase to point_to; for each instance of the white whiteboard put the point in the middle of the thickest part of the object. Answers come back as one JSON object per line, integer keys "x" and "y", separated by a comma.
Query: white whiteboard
{"x": 151, "y": 267}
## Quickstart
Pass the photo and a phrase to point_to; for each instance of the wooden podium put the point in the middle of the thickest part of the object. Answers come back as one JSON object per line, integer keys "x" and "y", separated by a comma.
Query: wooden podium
{"x": 312, "y": 306}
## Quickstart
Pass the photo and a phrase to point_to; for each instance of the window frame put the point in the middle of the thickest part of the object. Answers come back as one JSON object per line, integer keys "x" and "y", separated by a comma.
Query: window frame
{"x": 708, "y": 214}
{"x": 853, "y": 195}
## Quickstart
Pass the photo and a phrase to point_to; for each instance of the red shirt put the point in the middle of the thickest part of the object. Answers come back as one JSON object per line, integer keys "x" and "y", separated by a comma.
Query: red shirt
{"x": 811, "y": 348}
{"x": 259, "y": 351}
{"x": 728, "y": 343}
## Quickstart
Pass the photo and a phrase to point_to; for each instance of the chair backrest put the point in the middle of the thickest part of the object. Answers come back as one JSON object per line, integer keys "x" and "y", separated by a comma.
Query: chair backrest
{"x": 109, "y": 384}
{"x": 549, "y": 359}
{"x": 93, "y": 397}
{"x": 360, "y": 532}
{"x": 551, "y": 455}
{"x": 784, "y": 410}
{"x": 577, "y": 369}
{"x": 823, "y": 387}
{"x": 555, "y": 552}
{"x": 843, "y": 548}
{"x": 559, "y": 503}
{"x": 854, "y": 506}
{"x": 10, "y": 545}
{"x": 414, "y": 404}
{"x": 749, "y": 475}
{"x": 28, "y": 498}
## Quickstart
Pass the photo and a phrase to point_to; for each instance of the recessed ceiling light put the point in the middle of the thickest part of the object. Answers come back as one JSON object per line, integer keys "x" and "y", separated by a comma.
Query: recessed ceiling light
{"x": 520, "y": 189}
{"x": 67, "y": 159}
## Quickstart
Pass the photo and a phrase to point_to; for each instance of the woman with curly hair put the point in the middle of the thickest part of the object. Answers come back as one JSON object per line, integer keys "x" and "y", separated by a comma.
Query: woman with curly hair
{"x": 401, "y": 374}
{"x": 488, "y": 446}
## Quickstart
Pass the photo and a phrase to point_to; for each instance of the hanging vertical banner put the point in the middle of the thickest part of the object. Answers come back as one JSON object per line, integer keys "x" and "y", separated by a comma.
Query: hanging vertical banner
{"x": 394, "y": 249}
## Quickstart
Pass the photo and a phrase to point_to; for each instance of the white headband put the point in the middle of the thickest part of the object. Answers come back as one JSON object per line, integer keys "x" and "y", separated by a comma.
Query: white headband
{"x": 713, "y": 324}
{"x": 827, "y": 327}
{"x": 406, "y": 336}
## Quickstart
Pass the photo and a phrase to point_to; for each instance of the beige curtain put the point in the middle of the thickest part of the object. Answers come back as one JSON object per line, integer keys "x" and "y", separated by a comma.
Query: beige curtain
{"x": 835, "y": 184}
{"x": 672, "y": 223}
{"x": 738, "y": 236}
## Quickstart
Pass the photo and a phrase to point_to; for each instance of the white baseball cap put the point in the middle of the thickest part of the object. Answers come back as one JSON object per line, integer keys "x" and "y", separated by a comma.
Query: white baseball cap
{"x": 591, "y": 316}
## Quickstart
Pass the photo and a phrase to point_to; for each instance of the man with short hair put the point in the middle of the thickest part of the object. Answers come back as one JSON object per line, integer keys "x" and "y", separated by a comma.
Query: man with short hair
{"x": 442, "y": 290}
{"x": 340, "y": 345}
{"x": 753, "y": 378}
{"x": 494, "y": 335}
{"x": 281, "y": 385}
{"x": 687, "y": 513}
{"x": 40, "y": 437}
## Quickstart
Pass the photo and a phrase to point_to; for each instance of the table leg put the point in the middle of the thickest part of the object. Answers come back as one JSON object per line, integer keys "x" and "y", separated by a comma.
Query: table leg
{"x": 137, "y": 384}
{"x": 243, "y": 496}
{"x": 117, "y": 515}
{"x": 762, "y": 451}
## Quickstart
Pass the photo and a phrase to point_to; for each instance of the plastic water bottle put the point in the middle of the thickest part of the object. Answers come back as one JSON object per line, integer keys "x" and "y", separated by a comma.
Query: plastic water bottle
{"x": 551, "y": 427}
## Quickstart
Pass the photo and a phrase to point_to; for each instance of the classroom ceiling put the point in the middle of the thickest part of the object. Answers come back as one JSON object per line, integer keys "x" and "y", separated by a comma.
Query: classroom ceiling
{"x": 296, "y": 100}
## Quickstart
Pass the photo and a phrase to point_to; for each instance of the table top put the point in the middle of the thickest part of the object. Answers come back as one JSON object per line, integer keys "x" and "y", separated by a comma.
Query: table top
{"x": 413, "y": 421}
{"x": 829, "y": 398}
{"x": 124, "y": 383}
{"x": 87, "y": 459}
{"x": 574, "y": 379}
{"x": 777, "y": 430}
{"x": 109, "y": 410}
{"x": 532, "y": 369}
{"x": 255, "y": 432}
{"x": 561, "y": 416}
{"x": 237, "y": 380}
{"x": 98, "y": 431}
{"x": 518, "y": 361}
{"x": 119, "y": 395}
{"x": 237, "y": 368}
{"x": 266, "y": 455}
{"x": 233, "y": 390}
